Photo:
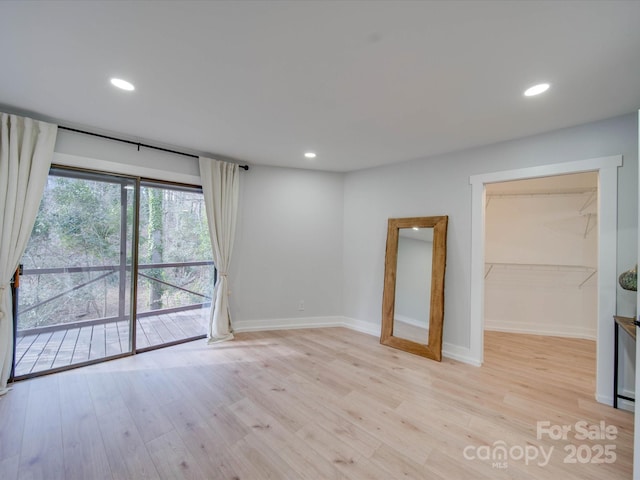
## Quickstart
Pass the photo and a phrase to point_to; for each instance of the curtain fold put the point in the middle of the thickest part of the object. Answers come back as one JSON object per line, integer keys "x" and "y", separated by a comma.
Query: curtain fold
{"x": 220, "y": 187}
{"x": 26, "y": 150}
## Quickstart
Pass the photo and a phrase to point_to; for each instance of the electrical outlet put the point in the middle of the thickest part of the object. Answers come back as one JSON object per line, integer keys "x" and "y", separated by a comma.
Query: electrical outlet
{"x": 301, "y": 305}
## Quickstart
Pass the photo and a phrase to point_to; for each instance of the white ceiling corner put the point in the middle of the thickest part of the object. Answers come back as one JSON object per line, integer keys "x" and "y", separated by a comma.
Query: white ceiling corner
{"x": 361, "y": 83}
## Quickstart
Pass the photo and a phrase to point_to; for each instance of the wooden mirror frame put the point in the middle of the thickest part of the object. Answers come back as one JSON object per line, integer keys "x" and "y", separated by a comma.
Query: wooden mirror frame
{"x": 433, "y": 349}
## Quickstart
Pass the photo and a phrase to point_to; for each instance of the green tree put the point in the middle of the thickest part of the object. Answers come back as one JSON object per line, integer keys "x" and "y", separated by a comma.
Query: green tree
{"x": 155, "y": 229}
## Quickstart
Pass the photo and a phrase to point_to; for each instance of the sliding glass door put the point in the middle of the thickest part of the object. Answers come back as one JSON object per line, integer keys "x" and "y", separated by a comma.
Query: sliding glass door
{"x": 175, "y": 270}
{"x": 77, "y": 301}
{"x": 74, "y": 296}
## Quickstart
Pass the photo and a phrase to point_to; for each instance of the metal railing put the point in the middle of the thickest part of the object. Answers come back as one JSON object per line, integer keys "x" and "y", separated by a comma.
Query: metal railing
{"x": 110, "y": 270}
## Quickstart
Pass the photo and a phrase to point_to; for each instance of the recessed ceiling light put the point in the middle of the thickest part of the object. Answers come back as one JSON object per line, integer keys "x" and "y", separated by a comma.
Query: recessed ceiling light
{"x": 536, "y": 89}
{"x": 122, "y": 84}
{"x": 310, "y": 155}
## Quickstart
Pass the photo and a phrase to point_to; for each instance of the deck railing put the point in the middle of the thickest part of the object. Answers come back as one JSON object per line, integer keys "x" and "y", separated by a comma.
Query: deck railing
{"x": 110, "y": 270}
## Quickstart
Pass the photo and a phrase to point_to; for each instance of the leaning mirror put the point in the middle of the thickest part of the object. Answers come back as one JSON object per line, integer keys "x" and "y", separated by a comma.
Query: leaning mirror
{"x": 413, "y": 298}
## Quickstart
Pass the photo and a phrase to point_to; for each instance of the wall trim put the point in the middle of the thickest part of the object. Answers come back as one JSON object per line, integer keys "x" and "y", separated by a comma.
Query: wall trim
{"x": 362, "y": 326}
{"x": 606, "y": 399}
{"x": 461, "y": 354}
{"x": 411, "y": 321}
{"x": 266, "y": 324}
{"x": 262, "y": 325}
{"x": 454, "y": 352}
{"x": 622, "y": 403}
{"x": 626, "y": 404}
{"x": 537, "y": 329}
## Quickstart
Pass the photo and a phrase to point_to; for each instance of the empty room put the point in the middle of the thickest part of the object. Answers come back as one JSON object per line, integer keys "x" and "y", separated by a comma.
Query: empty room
{"x": 277, "y": 239}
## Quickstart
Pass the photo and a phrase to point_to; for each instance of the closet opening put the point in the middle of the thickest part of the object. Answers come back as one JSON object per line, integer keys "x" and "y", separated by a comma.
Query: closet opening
{"x": 607, "y": 228}
{"x": 541, "y": 281}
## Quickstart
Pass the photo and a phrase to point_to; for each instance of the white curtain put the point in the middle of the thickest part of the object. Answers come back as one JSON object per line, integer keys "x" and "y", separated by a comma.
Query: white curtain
{"x": 220, "y": 186}
{"x": 26, "y": 150}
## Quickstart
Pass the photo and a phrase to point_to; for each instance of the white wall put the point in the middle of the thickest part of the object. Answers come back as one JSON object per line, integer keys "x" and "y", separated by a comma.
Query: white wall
{"x": 85, "y": 151}
{"x": 320, "y": 237}
{"x": 525, "y": 236}
{"x": 439, "y": 185}
{"x": 289, "y": 234}
{"x": 288, "y": 245}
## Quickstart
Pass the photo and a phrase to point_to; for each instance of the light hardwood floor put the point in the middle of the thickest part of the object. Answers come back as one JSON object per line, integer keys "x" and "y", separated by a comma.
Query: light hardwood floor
{"x": 310, "y": 404}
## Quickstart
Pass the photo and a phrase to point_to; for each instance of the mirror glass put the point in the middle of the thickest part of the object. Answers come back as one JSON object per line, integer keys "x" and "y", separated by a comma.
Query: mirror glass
{"x": 413, "y": 299}
{"x": 413, "y": 284}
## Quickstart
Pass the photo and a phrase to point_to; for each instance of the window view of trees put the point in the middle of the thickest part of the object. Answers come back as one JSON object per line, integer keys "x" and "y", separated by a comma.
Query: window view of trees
{"x": 173, "y": 229}
{"x": 72, "y": 261}
{"x": 78, "y": 260}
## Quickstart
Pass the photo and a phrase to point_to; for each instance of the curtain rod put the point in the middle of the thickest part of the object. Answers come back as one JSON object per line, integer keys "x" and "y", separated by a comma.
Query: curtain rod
{"x": 138, "y": 144}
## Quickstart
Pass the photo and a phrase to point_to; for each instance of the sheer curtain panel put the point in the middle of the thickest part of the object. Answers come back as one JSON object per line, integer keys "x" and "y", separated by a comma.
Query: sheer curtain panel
{"x": 220, "y": 186}
{"x": 26, "y": 150}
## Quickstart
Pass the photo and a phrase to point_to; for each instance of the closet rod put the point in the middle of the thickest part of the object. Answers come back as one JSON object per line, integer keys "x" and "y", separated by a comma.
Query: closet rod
{"x": 131, "y": 142}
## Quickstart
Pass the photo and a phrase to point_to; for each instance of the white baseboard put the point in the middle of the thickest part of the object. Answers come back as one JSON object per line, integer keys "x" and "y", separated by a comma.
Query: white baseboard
{"x": 461, "y": 354}
{"x": 606, "y": 399}
{"x": 454, "y": 352}
{"x": 305, "y": 322}
{"x": 362, "y": 326}
{"x": 626, "y": 404}
{"x": 622, "y": 403}
{"x": 536, "y": 329}
{"x": 261, "y": 325}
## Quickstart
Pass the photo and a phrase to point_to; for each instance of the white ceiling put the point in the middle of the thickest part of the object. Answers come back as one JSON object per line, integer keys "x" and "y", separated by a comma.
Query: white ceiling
{"x": 361, "y": 83}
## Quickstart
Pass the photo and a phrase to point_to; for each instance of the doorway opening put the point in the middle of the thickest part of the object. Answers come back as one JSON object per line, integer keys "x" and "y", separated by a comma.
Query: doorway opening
{"x": 540, "y": 282}
{"x": 607, "y": 209}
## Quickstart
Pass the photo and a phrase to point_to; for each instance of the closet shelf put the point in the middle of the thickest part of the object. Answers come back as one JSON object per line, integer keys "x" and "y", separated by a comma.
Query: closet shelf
{"x": 590, "y": 191}
{"x": 588, "y": 272}
{"x": 584, "y": 210}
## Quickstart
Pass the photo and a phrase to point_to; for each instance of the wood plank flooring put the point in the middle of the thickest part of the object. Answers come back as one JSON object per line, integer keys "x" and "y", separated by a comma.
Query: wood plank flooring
{"x": 313, "y": 404}
{"x": 44, "y": 351}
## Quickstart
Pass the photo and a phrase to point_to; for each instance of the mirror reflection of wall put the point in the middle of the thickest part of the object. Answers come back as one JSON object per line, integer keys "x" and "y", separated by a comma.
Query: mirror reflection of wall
{"x": 414, "y": 243}
{"x": 413, "y": 284}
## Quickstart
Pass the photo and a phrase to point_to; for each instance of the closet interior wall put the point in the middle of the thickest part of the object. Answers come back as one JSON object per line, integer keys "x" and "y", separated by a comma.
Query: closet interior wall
{"x": 541, "y": 256}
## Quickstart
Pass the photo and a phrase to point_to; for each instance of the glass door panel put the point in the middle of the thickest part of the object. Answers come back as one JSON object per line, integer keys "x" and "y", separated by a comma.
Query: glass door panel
{"x": 175, "y": 270}
{"x": 74, "y": 299}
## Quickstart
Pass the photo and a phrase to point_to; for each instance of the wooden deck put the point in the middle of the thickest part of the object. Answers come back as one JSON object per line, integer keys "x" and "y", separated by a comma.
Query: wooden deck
{"x": 61, "y": 348}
